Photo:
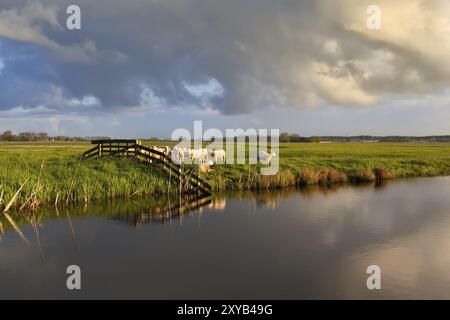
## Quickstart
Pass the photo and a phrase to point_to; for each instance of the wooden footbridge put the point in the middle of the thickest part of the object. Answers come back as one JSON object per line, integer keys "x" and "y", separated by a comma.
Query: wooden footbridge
{"x": 187, "y": 180}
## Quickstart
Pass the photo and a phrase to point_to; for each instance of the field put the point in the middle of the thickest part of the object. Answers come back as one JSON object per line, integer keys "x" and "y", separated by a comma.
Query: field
{"x": 51, "y": 172}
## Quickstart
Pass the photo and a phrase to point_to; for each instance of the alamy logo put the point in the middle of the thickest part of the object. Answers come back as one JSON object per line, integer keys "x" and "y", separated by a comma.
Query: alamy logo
{"x": 374, "y": 280}
{"x": 74, "y": 280}
{"x": 73, "y": 21}
{"x": 249, "y": 146}
{"x": 374, "y": 20}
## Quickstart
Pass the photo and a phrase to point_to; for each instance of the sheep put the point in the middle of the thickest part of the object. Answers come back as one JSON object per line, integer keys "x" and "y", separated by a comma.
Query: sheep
{"x": 177, "y": 155}
{"x": 199, "y": 155}
{"x": 204, "y": 167}
{"x": 266, "y": 158}
{"x": 164, "y": 149}
{"x": 186, "y": 153}
{"x": 204, "y": 154}
{"x": 218, "y": 155}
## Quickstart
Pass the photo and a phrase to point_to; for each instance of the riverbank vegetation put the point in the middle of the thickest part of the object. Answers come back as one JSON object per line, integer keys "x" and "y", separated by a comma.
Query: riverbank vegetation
{"x": 51, "y": 172}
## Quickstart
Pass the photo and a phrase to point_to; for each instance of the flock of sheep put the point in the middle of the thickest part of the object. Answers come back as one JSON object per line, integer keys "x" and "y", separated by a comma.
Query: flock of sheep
{"x": 204, "y": 156}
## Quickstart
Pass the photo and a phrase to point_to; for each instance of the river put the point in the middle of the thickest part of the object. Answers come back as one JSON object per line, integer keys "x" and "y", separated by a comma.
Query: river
{"x": 313, "y": 243}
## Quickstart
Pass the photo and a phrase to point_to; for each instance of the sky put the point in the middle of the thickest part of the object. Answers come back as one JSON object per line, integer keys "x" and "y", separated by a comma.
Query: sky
{"x": 142, "y": 68}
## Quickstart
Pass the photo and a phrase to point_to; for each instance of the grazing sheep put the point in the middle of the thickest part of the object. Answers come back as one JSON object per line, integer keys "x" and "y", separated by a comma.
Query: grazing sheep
{"x": 218, "y": 155}
{"x": 156, "y": 149}
{"x": 204, "y": 154}
{"x": 266, "y": 158}
{"x": 204, "y": 167}
{"x": 177, "y": 155}
{"x": 165, "y": 150}
{"x": 198, "y": 155}
{"x": 187, "y": 153}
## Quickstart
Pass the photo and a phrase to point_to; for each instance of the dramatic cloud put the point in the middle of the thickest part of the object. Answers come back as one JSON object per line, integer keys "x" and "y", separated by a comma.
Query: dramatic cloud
{"x": 234, "y": 56}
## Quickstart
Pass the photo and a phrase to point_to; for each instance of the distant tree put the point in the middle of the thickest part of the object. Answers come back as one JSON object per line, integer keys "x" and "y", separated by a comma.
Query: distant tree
{"x": 25, "y": 136}
{"x": 295, "y": 138}
{"x": 284, "y": 137}
{"x": 41, "y": 136}
{"x": 313, "y": 139}
{"x": 7, "y": 136}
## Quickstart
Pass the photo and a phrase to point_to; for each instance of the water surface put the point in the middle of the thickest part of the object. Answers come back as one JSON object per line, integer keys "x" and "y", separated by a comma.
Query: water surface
{"x": 294, "y": 244}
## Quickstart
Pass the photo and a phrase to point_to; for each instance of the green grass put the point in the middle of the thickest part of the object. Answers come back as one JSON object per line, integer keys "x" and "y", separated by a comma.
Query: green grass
{"x": 300, "y": 164}
{"x": 62, "y": 177}
{"x": 304, "y": 164}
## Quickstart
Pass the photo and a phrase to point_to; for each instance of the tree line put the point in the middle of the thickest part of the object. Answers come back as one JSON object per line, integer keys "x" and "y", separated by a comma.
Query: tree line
{"x": 286, "y": 137}
{"x": 8, "y": 135}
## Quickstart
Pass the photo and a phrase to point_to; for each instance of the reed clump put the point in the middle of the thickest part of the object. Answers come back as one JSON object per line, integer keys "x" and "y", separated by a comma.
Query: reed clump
{"x": 362, "y": 175}
{"x": 282, "y": 179}
{"x": 331, "y": 176}
{"x": 308, "y": 176}
{"x": 383, "y": 174}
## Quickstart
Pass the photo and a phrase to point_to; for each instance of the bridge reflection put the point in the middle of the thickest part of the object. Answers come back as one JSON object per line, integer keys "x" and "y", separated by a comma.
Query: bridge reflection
{"x": 170, "y": 210}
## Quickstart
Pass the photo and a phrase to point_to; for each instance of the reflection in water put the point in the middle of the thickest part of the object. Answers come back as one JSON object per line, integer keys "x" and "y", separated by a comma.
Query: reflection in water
{"x": 133, "y": 212}
{"x": 165, "y": 212}
{"x": 314, "y": 242}
{"x": 218, "y": 203}
{"x": 165, "y": 209}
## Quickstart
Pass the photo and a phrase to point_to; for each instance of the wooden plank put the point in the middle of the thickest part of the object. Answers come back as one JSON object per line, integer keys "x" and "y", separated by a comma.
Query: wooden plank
{"x": 85, "y": 154}
{"x": 91, "y": 155}
{"x": 132, "y": 141}
{"x": 123, "y": 150}
{"x": 204, "y": 183}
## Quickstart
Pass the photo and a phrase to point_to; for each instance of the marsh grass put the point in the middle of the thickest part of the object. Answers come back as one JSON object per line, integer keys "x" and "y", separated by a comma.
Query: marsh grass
{"x": 304, "y": 164}
{"x": 27, "y": 182}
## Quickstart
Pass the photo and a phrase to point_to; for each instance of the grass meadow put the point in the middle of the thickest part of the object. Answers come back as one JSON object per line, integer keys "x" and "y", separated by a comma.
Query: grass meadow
{"x": 50, "y": 172}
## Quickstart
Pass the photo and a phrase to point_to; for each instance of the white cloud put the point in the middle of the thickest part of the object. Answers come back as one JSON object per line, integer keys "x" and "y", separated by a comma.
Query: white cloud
{"x": 210, "y": 89}
{"x": 26, "y": 24}
{"x": 341, "y": 86}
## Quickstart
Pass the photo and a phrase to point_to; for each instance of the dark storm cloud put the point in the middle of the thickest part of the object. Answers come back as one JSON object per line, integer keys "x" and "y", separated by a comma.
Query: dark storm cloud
{"x": 263, "y": 53}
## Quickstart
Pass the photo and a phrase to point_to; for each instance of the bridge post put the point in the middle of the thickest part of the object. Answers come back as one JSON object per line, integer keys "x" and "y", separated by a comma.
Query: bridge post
{"x": 181, "y": 177}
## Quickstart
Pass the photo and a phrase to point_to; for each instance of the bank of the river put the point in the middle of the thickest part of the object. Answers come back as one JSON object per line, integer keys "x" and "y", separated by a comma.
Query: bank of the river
{"x": 50, "y": 172}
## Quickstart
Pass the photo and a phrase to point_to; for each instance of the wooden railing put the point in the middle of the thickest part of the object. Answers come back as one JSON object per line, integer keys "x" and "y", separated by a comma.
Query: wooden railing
{"x": 187, "y": 180}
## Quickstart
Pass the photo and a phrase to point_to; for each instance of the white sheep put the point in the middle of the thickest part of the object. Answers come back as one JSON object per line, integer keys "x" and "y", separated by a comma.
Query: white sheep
{"x": 198, "y": 155}
{"x": 265, "y": 157}
{"x": 177, "y": 155}
{"x": 218, "y": 155}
